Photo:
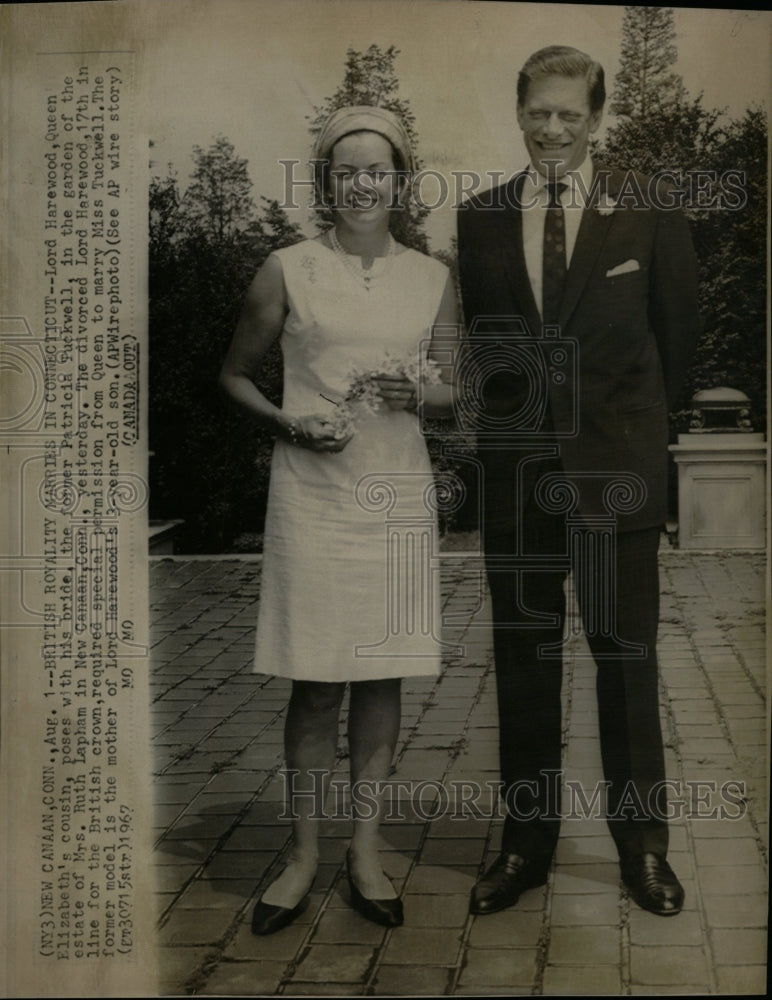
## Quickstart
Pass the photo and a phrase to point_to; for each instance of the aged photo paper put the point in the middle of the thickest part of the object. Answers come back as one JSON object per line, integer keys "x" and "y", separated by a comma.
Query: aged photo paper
{"x": 74, "y": 655}
{"x": 96, "y": 98}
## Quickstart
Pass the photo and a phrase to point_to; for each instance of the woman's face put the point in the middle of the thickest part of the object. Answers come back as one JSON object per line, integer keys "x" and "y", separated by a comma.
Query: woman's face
{"x": 363, "y": 180}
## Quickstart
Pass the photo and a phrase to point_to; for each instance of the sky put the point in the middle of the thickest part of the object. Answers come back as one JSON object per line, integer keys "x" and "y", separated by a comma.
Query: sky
{"x": 253, "y": 71}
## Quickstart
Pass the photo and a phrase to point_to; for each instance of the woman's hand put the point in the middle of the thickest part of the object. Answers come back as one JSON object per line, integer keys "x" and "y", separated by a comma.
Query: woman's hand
{"x": 397, "y": 392}
{"x": 315, "y": 432}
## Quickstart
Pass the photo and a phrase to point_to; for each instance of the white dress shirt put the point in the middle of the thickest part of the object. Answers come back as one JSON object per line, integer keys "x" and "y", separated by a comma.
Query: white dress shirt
{"x": 535, "y": 198}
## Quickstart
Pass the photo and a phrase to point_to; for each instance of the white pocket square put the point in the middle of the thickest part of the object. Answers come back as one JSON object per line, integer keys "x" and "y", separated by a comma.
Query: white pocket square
{"x": 629, "y": 265}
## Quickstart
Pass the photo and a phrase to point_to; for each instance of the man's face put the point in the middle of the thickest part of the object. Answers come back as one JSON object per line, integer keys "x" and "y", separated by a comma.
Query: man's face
{"x": 557, "y": 123}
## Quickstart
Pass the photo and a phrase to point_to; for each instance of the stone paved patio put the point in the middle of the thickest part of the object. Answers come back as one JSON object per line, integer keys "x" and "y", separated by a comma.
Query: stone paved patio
{"x": 219, "y": 836}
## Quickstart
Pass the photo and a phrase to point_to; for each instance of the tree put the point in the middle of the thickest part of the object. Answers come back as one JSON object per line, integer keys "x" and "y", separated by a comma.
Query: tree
{"x": 679, "y": 138}
{"x": 219, "y": 198}
{"x": 645, "y": 84}
{"x": 164, "y": 205}
{"x": 731, "y": 246}
{"x": 273, "y": 229}
{"x": 209, "y": 463}
{"x": 369, "y": 78}
{"x": 659, "y": 127}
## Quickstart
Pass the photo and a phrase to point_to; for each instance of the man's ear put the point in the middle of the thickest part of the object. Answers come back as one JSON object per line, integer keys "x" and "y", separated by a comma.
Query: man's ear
{"x": 594, "y": 121}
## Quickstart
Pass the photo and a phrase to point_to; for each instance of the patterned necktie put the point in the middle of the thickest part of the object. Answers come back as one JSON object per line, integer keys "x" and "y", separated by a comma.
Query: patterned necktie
{"x": 554, "y": 254}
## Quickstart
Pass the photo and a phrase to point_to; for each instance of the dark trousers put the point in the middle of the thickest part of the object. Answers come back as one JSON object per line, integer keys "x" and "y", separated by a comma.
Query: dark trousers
{"x": 527, "y": 556}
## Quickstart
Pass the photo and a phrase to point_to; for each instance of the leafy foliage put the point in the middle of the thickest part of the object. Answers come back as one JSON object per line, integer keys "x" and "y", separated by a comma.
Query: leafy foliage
{"x": 731, "y": 247}
{"x": 645, "y": 85}
{"x": 722, "y": 168}
{"x": 218, "y": 201}
{"x": 209, "y": 461}
{"x": 679, "y": 138}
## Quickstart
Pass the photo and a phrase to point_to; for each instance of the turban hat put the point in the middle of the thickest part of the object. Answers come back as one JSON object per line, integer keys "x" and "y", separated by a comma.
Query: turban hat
{"x": 360, "y": 118}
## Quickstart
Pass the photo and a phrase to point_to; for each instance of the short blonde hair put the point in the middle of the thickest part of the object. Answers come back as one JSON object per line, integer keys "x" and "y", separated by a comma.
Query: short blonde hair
{"x": 562, "y": 60}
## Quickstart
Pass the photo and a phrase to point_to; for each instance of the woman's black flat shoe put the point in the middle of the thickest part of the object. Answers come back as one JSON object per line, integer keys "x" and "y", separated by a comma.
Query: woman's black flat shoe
{"x": 387, "y": 912}
{"x": 267, "y": 918}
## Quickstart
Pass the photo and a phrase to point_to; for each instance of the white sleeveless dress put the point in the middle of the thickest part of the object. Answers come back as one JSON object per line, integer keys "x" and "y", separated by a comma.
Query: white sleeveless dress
{"x": 350, "y": 578}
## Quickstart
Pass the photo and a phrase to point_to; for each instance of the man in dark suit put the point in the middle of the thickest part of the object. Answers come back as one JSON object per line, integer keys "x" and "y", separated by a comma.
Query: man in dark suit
{"x": 579, "y": 290}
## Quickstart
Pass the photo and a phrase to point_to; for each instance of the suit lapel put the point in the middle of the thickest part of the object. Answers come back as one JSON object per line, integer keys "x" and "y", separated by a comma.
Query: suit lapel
{"x": 593, "y": 230}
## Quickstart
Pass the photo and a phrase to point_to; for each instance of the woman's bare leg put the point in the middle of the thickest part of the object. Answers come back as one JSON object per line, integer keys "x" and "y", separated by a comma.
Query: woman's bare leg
{"x": 373, "y": 727}
{"x": 310, "y": 744}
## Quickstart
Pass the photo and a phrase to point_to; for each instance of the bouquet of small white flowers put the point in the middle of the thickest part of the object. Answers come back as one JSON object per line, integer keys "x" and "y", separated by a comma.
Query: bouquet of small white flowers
{"x": 363, "y": 390}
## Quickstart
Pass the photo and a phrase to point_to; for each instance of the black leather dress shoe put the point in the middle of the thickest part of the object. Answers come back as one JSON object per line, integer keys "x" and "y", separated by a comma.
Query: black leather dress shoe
{"x": 387, "y": 912}
{"x": 504, "y": 882}
{"x": 652, "y": 884}
{"x": 267, "y": 918}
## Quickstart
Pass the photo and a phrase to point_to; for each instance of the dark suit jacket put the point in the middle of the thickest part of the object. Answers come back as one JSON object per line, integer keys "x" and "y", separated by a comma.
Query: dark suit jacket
{"x": 634, "y": 331}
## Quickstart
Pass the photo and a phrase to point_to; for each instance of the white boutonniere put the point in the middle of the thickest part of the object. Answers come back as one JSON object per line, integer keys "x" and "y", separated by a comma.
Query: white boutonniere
{"x": 606, "y": 205}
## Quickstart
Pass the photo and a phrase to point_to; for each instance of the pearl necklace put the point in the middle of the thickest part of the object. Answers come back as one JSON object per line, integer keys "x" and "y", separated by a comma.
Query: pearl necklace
{"x": 364, "y": 274}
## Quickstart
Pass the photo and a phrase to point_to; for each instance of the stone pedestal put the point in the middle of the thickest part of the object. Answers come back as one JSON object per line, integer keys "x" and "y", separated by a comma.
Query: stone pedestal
{"x": 721, "y": 490}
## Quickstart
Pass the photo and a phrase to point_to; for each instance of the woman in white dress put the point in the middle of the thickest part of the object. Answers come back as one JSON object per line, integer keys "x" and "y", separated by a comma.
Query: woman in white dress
{"x": 333, "y": 582}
